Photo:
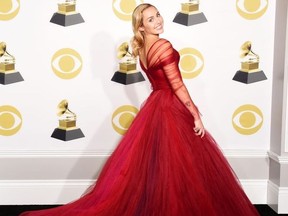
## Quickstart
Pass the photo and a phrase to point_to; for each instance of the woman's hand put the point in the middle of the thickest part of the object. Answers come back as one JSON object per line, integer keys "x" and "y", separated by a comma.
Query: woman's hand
{"x": 199, "y": 128}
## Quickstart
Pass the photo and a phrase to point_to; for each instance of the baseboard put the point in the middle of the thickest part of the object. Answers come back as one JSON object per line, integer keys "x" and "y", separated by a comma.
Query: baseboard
{"x": 37, "y": 173}
{"x": 43, "y": 192}
{"x": 256, "y": 190}
{"x": 278, "y": 198}
{"x": 247, "y": 164}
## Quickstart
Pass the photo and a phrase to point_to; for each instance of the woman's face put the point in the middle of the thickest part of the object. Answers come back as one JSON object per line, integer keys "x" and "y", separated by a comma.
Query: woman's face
{"x": 152, "y": 22}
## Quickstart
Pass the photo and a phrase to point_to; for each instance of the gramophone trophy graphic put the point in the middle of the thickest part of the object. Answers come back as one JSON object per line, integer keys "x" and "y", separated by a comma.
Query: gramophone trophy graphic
{"x": 8, "y": 74}
{"x": 190, "y": 14}
{"x": 67, "y": 129}
{"x": 249, "y": 72}
{"x": 127, "y": 73}
{"x": 66, "y": 14}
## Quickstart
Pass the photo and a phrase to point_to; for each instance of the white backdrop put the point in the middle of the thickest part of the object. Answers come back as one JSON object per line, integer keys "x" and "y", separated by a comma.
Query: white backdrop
{"x": 33, "y": 40}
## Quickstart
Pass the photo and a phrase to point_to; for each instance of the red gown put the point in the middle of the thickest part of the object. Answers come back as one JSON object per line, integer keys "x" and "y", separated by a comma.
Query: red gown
{"x": 161, "y": 167}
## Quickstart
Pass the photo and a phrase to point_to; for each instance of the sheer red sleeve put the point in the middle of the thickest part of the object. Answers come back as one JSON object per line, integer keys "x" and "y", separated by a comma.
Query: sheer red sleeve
{"x": 163, "y": 53}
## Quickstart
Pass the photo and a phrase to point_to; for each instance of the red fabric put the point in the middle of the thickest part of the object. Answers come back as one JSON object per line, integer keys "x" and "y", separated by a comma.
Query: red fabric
{"x": 160, "y": 167}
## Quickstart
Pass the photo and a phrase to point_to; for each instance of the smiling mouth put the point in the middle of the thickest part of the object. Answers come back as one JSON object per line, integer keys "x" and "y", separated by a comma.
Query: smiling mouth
{"x": 158, "y": 27}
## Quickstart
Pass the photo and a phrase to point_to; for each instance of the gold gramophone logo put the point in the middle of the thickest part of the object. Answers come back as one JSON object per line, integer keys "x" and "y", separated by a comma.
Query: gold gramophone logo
{"x": 247, "y": 119}
{"x": 127, "y": 72}
{"x": 123, "y": 117}
{"x": 10, "y": 120}
{"x": 67, "y": 129}
{"x": 66, "y": 63}
{"x": 8, "y": 74}
{"x": 9, "y": 9}
{"x": 67, "y": 14}
{"x": 191, "y": 62}
{"x": 190, "y": 14}
{"x": 249, "y": 72}
{"x": 251, "y": 9}
{"x": 123, "y": 9}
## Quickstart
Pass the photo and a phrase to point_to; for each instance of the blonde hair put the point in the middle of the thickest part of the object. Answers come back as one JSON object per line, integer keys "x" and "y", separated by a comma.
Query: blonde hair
{"x": 137, "y": 41}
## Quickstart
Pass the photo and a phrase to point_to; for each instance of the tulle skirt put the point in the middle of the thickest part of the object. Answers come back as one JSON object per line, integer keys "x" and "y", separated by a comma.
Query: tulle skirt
{"x": 161, "y": 168}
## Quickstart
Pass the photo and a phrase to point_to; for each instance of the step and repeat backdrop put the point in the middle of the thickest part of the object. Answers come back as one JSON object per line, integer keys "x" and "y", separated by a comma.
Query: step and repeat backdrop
{"x": 67, "y": 81}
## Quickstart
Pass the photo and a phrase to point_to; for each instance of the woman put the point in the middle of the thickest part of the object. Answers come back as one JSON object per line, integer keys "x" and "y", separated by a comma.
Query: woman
{"x": 166, "y": 164}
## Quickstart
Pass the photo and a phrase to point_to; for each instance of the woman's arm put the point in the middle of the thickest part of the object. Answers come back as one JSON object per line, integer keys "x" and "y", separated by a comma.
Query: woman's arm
{"x": 182, "y": 93}
{"x": 173, "y": 75}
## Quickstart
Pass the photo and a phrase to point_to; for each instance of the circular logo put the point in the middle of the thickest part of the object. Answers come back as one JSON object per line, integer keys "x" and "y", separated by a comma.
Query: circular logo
{"x": 9, "y": 9}
{"x": 10, "y": 120}
{"x": 247, "y": 119}
{"x": 123, "y": 9}
{"x": 66, "y": 63}
{"x": 251, "y": 9}
{"x": 191, "y": 63}
{"x": 123, "y": 117}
